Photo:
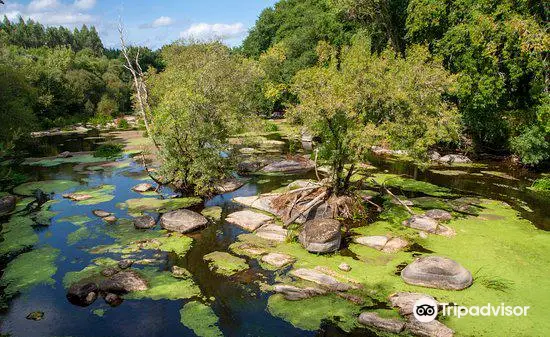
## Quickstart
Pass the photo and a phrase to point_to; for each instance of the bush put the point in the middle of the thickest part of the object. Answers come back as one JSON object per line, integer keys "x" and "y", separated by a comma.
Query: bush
{"x": 123, "y": 124}
{"x": 270, "y": 127}
{"x": 531, "y": 146}
{"x": 542, "y": 184}
{"x": 108, "y": 150}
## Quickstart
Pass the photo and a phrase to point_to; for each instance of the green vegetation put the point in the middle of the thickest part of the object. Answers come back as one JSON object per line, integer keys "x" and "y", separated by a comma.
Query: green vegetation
{"x": 225, "y": 264}
{"x": 47, "y": 186}
{"x": 109, "y": 150}
{"x": 137, "y": 206}
{"x": 17, "y": 235}
{"x": 162, "y": 285}
{"x": 201, "y": 319}
{"x": 541, "y": 184}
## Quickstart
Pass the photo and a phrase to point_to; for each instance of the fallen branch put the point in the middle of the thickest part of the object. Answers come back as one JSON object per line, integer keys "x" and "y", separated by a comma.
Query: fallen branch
{"x": 393, "y": 196}
{"x": 317, "y": 200}
{"x": 316, "y": 172}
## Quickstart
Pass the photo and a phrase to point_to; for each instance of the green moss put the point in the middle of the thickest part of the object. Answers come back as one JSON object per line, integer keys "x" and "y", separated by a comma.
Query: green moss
{"x": 137, "y": 206}
{"x": 162, "y": 285}
{"x": 308, "y": 314}
{"x": 225, "y": 264}
{"x": 499, "y": 174}
{"x": 28, "y": 270}
{"x": 77, "y": 159}
{"x": 214, "y": 213}
{"x": 89, "y": 273}
{"x": 99, "y": 195}
{"x": 411, "y": 185}
{"x": 176, "y": 243}
{"x": 78, "y": 235}
{"x": 44, "y": 216}
{"x": 47, "y": 186}
{"x": 99, "y": 312}
{"x": 201, "y": 319}
{"x": 431, "y": 203}
{"x": 449, "y": 172}
{"x": 77, "y": 220}
{"x": 541, "y": 184}
{"x": 18, "y": 235}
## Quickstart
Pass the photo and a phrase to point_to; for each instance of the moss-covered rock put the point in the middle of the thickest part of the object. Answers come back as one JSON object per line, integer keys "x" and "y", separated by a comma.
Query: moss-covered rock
{"x": 98, "y": 195}
{"x": 201, "y": 319}
{"x": 162, "y": 285}
{"x": 139, "y": 205}
{"x": 225, "y": 264}
{"x": 214, "y": 213}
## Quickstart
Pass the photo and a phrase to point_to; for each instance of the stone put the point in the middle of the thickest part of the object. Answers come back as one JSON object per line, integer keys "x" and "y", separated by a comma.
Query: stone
{"x": 249, "y": 166}
{"x": 439, "y": 214}
{"x": 272, "y": 232}
{"x": 422, "y": 223}
{"x": 404, "y": 301}
{"x": 278, "y": 259}
{"x": 344, "y": 266}
{"x": 322, "y": 279}
{"x": 101, "y": 214}
{"x": 423, "y": 235}
{"x": 321, "y": 236}
{"x": 455, "y": 159}
{"x": 434, "y": 155}
{"x": 431, "y": 329}
{"x": 124, "y": 282}
{"x": 293, "y": 293}
{"x": 377, "y": 242}
{"x": 82, "y": 294}
{"x": 125, "y": 264}
{"x": 437, "y": 272}
{"x": 65, "y": 154}
{"x": 143, "y": 187}
{"x": 182, "y": 221}
{"x": 395, "y": 245}
{"x": 113, "y": 299}
{"x": 228, "y": 185}
{"x": 77, "y": 196}
{"x": 261, "y": 202}
{"x": 248, "y": 219}
{"x": 372, "y": 319}
{"x": 7, "y": 204}
{"x": 179, "y": 272}
{"x": 289, "y": 166}
{"x": 144, "y": 222}
{"x": 35, "y": 316}
{"x": 110, "y": 271}
{"x": 110, "y": 219}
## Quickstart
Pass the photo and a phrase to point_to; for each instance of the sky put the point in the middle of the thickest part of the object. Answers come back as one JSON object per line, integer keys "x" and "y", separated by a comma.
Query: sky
{"x": 151, "y": 23}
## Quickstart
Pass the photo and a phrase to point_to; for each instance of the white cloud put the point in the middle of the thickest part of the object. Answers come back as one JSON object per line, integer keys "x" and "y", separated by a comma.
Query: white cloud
{"x": 41, "y": 5}
{"x": 163, "y": 21}
{"x": 210, "y": 31}
{"x": 57, "y": 19}
{"x": 84, "y": 4}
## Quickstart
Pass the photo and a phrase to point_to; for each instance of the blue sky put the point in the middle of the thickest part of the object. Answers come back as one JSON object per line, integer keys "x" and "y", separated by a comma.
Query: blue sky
{"x": 152, "y": 23}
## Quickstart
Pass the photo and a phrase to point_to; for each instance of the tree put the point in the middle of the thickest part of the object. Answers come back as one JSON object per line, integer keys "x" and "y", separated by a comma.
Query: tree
{"x": 362, "y": 99}
{"x": 202, "y": 96}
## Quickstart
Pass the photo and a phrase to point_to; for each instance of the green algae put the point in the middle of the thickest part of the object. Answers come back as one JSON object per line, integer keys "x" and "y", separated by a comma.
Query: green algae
{"x": 499, "y": 174}
{"x": 308, "y": 314}
{"x": 431, "y": 203}
{"x": 91, "y": 273}
{"x": 76, "y": 159}
{"x": 201, "y": 319}
{"x": 79, "y": 235}
{"x": 224, "y": 263}
{"x": 77, "y": 220}
{"x": 99, "y": 312}
{"x": 175, "y": 243}
{"x": 98, "y": 195}
{"x": 45, "y": 215}
{"x": 452, "y": 173}
{"x": 47, "y": 186}
{"x": 28, "y": 270}
{"x": 411, "y": 185}
{"x": 139, "y": 205}
{"x": 162, "y": 285}
{"x": 214, "y": 213}
{"x": 18, "y": 235}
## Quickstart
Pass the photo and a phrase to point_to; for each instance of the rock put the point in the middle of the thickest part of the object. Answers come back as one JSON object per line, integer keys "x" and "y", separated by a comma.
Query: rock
{"x": 404, "y": 301}
{"x": 65, "y": 154}
{"x": 77, "y": 196}
{"x": 293, "y": 293}
{"x": 125, "y": 264}
{"x": 247, "y": 150}
{"x": 344, "y": 266}
{"x": 110, "y": 219}
{"x": 144, "y": 222}
{"x": 321, "y": 236}
{"x": 437, "y": 272}
{"x": 101, "y": 214}
{"x": 82, "y": 294}
{"x": 124, "y": 282}
{"x": 7, "y": 204}
{"x": 113, "y": 299}
{"x": 36, "y": 316}
{"x": 322, "y": 279}
{"x": 289, "y": 166}
{"x": 249, "y": 166}
{"x": 143, "y": 187}
{"x": 455, "y": 159}
{"x": 422, "y": 223}
{"x": 439, "y": 214}
{"x": 372, "y": 319}
{"x": 110, "y": 271}
{"x": 434, "y": 156}
{"x": 228, "y": 185}
{"x": 278, "y": 259}
{"x": 352, "y": 298}
{"x": 261, "y": 202}
{"x": 423, "y": 235}
{"x": 376, "y": 242}
{"x": 213, "y": 213}
{"x": 247, "y": 219}
{"x": 431, "y": 329}
{"x": 395, "y": 245}
{"x": 179, "y": 272}
{"x": 182, "y": 221}
{"x": 252, "y": 250}
{"x": 272, "y": 232}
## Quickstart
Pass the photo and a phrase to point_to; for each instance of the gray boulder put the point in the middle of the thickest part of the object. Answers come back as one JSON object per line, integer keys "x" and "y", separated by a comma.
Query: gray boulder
{"x": 290, "y": 166}
{"x": 455, "y": 159}
{"x": 404, "y": 301}
{"x": 322, "y": 279}
{"x": 144, "y": 222}
{"x": 124, "y": 282}
{"x": 248, "y": 219}
{"x": 431, "y": 329}
{"x": 143, "y": 187}
{"x": 182, "y": 221}
{"x": 101, "y": 214}
{"x": 278, "y": 259}
{"x": 321, "y": 236}
{"x": 273, "y": 232}
{"x": 437, "y": 272}
{"x": 7, "y": 204}
{"x": 439, "y": 214}
{"x": 82, "y": 294}
{"x": 423, "y": 223}
{"x": 293, "y": 293}
{"x": 372, "y": 319}
{"x": 125, "y": 264}
{"x": 228, "y": 185}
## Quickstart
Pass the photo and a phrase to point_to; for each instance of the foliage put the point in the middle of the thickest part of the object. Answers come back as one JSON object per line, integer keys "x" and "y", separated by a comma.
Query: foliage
{"x": 541, "y": 184}
{"x": 202, "y": 97}
{"x": 201, "y": 319}
{"x": 108, "y": 150}
{"x": 46, "y": 186}
{"x": 532, "y": 145}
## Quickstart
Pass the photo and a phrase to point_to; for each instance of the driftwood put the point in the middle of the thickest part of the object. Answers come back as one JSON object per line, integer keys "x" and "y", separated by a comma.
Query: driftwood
{"x": 316, "y": 201}
{"x": 393, "y": 196}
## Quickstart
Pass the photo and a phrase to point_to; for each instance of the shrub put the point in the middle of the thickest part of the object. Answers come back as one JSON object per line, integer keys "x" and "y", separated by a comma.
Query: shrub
{"x": 531, "y": 146}
{"x": 108, "y": 150}
{"x": 542, "y": 184}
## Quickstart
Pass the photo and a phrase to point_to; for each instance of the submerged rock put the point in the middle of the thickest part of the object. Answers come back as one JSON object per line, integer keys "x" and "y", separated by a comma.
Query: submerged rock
{"x": 248, "y": 219}
{"x": 272, "y": 232}
{"x": 82, "y": 294}
{"x": 113, "y": 299}
{"x": 7, "y": 204}
{"x": 144, "y": 222}
{"x": 437, "y": 272}
{"x": 110, "y": 219}
{"x": 278, "y": 259}
{"x": 372, "y": 319}
{"x": 143, "y": 187}
{"x": 213, "y": 213}
{"x": 182, "y": 221}
{"x": 293, "y": 293}
{"x": 322, "y": 279}
{"x": 101, "y": 214}
{"x": 288, "y": 166}
{"x": 225, "y": 264}
{"x": 77, "y": 196}
{"x": 179, "y": 272}
{"x": 124, "y": 282}
{"x": 321, "y": 236}
{"x": 35, "y": 316}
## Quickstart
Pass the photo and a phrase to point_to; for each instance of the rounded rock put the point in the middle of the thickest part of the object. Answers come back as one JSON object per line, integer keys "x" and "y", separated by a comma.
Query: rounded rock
{"x": 321, "y": 236}
{"x": 7, "y": 204}
{"x": 437, "y": 272}
{"x": 82, "y": 294}
{"x": 183, "y": 221}
{"x": 144, "y": 222}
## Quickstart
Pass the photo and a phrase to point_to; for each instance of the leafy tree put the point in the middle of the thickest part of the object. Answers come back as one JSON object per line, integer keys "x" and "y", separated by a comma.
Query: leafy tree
{"x": 107, "y": 106}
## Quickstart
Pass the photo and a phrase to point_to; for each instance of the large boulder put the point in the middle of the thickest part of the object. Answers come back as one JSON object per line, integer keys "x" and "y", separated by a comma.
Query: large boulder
{"x": 273, "y": 232}
{"x": 382, "y": 243}
{"x": 143, "y": 187}
{"x": 182, "y": 221}
{"x": 439, "y": 214}
{"x": 437, "y": 272}
{"x": 372, "y": 319}
{"x": 228, "y": 185}
{"x": 144, "y": 222}
{"x": 293, "y": 293}
{"x": 82, "y": 294}
{"x": 124, "y": 282}
{"x": 322, "y": 279}
{"x": 248, "y": 219}
{"x": 454, "y": 159}
{"x": 7, "y": 204}
{"x": 261, "y": 202}
{"x": 321, "y": 236}
{"x": 404, "y": 301}
{"x": 289, "y": 166}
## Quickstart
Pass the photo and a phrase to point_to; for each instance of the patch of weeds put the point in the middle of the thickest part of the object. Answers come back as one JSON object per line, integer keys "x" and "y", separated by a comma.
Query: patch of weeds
{"x": 201, "y": 319}
{"x": 108, "y": 150}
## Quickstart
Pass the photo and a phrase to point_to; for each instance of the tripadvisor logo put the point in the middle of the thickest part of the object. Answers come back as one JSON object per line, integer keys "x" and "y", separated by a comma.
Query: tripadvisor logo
{"x": 426, "y": 309}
